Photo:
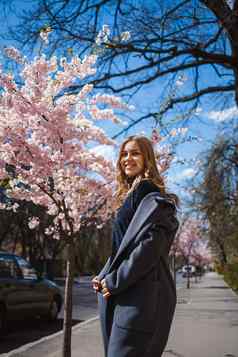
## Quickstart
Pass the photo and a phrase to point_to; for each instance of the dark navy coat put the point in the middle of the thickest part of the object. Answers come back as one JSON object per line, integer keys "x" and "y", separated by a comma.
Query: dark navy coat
{"x": 137, "y": 317}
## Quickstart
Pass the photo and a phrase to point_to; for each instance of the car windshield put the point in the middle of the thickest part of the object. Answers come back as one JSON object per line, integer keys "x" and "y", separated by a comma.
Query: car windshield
{"x": 7, "y": 267}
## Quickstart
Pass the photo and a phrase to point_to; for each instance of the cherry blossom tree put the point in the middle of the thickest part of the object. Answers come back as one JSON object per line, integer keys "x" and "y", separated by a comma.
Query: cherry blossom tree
{"x": 201, "y": 256}
{"x": 189, "y": 244}
{"x": 175, "y": 253}
{"x": 46, "y": 140}
{"x": 168, "y": 39}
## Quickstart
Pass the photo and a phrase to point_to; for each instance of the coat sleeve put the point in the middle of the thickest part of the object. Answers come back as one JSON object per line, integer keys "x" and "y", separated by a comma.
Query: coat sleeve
{"x": 145, "y": 255}
{"x": 104, "y": 270}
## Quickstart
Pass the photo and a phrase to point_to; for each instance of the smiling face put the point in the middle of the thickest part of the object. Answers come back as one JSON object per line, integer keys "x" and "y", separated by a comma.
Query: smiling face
{"x": 131, "y": 159}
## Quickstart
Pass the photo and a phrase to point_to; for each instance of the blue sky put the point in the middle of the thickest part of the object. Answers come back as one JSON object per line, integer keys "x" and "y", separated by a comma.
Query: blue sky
{"x": 206, "y": 124}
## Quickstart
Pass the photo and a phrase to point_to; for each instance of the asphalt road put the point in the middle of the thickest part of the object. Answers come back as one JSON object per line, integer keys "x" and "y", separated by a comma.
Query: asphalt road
{"x": 27, "y": 331}
{"x": 84, "y": 308}
{"x": 84, "y": 300}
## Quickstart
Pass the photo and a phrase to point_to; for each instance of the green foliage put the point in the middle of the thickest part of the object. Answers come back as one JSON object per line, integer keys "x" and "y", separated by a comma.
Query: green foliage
{"x": 5, "y": 183}
{"x": 218, "y": 267}
{"x": 217, "y": 198}
{"x": 230, "y": 274}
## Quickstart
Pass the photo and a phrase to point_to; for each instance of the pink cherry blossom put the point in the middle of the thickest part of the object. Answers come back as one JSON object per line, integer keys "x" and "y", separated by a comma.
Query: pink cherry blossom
{"x": 44, "y": 135}
{"x": 190, "y": 244}
{"x": 33, "y": 222}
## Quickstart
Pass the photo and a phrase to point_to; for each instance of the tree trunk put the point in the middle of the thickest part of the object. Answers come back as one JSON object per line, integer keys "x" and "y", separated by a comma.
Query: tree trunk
{"x": 223, "y": 255}
{"x": 188, "y": 276}
{"x": 67, "y": 327}
{"x": 188, "y": 280}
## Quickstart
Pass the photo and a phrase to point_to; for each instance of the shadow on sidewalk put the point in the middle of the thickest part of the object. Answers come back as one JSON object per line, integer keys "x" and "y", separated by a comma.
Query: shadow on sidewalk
{"x": 21, "y": 333}
{"x": 215, "y": 287}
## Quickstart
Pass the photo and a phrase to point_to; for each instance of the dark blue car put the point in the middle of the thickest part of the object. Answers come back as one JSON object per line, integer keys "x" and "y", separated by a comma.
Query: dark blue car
{"x": 24, "y": 293}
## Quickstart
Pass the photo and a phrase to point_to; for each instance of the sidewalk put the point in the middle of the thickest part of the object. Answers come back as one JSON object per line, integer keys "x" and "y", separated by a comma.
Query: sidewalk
{"x": 205, "y": 325}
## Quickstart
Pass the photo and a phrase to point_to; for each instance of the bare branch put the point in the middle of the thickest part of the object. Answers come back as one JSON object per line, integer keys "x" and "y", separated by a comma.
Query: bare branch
{"x": 172, "y": 102}
{"x": 167, "y": 39}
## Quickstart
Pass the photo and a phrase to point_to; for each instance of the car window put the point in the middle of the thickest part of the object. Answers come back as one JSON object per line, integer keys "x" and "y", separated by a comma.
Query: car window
{"x": 8, "y": 268}
{"x": 27, "y": 271}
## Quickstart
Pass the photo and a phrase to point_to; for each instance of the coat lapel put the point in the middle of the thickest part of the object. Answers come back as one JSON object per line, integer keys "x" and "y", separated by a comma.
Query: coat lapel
{"x": 140, "y": 218}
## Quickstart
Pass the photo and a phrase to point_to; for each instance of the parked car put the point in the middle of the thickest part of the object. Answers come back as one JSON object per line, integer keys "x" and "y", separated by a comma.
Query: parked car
{"x": 24, "y": 293}
{"x": 188, "y": 270}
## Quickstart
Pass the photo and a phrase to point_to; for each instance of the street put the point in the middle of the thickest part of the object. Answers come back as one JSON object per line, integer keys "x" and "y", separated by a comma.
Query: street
{"x": 84, "y": 308}
{"x": 84, "y": 300}
{"x": 21, "y": 333}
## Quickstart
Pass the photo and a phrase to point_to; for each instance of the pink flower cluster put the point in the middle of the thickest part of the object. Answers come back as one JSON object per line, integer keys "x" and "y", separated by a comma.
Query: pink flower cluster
{"x": 14, "y": 54}
{"x": 45, "y": 136}
{"x": 190, "y": 243}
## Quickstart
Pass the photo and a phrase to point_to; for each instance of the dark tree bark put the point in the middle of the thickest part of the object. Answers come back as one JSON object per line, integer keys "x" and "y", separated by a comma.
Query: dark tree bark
{"x": 67, "y": 326}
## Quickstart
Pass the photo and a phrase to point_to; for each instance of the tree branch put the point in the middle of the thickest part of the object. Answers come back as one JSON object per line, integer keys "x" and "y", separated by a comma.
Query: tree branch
{"x": 150, "y": 79}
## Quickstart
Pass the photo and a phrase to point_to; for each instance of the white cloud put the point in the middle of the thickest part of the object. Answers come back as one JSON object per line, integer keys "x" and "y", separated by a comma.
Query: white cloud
{"x": 183, "y": 175}
{"x": 223, "y": 115}
{"x": 107, "y": 151}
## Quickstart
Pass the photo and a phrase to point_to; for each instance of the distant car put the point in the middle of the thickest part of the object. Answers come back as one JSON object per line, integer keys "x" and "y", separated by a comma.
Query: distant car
{"x": 23, "y": 293}
{"x": 188, "y": 270}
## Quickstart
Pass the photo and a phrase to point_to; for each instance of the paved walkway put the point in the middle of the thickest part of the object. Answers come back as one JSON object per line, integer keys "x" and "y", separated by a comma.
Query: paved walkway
{"x": 205, "y": 325}
{"x": 206, "y": 322}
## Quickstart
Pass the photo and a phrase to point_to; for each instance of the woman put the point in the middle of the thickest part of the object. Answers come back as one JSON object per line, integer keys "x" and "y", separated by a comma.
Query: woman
{"x": 136, "y": 292}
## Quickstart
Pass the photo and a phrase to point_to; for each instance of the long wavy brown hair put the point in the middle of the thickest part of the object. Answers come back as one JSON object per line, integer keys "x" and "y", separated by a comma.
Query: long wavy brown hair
{"x": 126, "y": 184}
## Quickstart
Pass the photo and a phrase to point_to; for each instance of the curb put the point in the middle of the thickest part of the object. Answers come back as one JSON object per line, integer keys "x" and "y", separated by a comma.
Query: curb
{"x": 47, "y": 338}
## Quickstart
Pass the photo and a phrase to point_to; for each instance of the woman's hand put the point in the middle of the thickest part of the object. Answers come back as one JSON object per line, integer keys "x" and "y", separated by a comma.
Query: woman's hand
{"x": 100, "y": 286}
{"x": 97, "y": 286}
{"x": 104, "y": 290}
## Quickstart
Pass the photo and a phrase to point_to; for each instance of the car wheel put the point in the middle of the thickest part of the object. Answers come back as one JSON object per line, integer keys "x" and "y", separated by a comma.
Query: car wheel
{"x": 2, "y": 319}
{"x": 54, "y": 310}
